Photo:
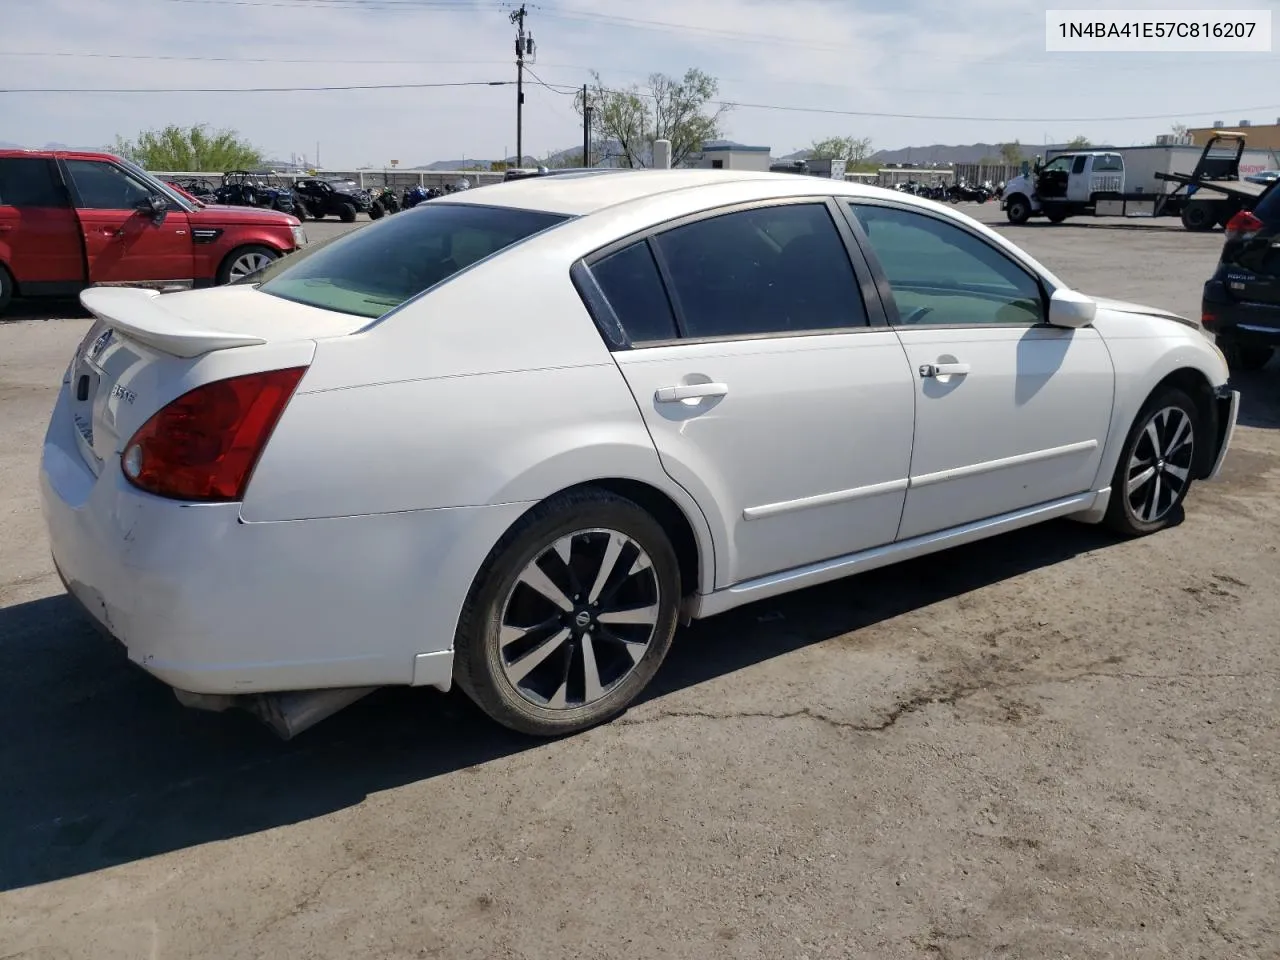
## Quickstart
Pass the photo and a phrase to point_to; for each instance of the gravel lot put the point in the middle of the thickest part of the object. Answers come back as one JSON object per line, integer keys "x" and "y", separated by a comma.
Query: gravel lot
{"x": 1047, "y": 745}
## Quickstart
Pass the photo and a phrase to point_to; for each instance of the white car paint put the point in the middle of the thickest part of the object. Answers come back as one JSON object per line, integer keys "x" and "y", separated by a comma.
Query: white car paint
{"x": 414, "y": 441}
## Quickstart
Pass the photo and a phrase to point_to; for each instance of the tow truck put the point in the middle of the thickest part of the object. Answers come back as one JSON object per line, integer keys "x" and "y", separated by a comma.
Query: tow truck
{"x": 1092, "y": 183}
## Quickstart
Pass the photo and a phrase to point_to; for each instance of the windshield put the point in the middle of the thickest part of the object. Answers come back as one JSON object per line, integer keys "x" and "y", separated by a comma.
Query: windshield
{"x": 374, "y": 269}
{"x": 183, "y": 201}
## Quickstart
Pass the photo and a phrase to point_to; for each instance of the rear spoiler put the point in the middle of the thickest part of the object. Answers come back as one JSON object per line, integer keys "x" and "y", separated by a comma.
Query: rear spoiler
{"x": 135, "y": 313}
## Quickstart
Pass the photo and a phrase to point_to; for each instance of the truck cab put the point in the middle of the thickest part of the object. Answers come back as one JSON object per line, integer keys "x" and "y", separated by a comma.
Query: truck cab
{"x": 1068, "y": 185}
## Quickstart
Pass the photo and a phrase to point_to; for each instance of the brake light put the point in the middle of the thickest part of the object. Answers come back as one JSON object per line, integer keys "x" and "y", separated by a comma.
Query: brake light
{"x": 1243, "y": 226}
{"x": 204, "y": 445}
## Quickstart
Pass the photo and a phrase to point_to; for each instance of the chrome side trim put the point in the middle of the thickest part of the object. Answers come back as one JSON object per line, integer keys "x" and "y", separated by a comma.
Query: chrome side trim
{"x": 989, "y": 466}
{"x": 163, "y": 286}
{"x": 837, "y": 568}
{"x": 1233, "y": 411}
{"x": 823, "y": 499}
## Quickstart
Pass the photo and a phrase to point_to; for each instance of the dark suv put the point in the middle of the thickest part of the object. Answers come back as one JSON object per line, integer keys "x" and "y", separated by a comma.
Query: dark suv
{"x": 1242, "y": 301}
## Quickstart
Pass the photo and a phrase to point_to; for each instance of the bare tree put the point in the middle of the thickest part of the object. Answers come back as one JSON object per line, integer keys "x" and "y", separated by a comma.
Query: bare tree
{"x": 679, "y": 110}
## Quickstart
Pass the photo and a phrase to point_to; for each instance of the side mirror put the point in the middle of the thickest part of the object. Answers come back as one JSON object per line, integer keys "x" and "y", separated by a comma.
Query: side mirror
{"x": 1070, "y": 309}
{"x": 155, "y": 205}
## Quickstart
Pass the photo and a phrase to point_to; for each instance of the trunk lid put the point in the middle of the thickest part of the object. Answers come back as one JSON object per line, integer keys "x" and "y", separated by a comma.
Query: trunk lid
{"x": 146, "y": 348}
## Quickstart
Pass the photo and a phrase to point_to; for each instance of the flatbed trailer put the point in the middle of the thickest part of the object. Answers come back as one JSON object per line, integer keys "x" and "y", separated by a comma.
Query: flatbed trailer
{"x": 1092, "y": 183}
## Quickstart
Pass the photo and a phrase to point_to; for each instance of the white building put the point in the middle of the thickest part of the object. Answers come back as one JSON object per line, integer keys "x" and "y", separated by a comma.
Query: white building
{"x": 732, "y": 156}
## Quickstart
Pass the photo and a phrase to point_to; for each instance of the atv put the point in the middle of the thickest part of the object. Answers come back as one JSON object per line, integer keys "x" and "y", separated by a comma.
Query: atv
{"x": 243, "y": 188}
{"x": 201, "y": 188}
{"x": 333, "y": 198}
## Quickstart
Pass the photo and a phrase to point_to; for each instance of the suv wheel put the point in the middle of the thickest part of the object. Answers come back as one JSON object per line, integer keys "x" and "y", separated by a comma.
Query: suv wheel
{"x": 6, "y": 288}
{"x": 1244, "y": 357}
{"x": 245, "y": 261}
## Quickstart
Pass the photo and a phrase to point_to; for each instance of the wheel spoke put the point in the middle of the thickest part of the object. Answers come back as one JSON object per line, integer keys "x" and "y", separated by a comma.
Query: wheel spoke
{"x": 524, "y": 666}
{"x": 610, "y": 559}
{"x": 645, "y": 615}
{"x": 536, "y": 580}
{"x": 1153, "y": 436}
{"x": 1137, "y": 481}
{"x": 1178, "y": 473}
{"x": 1151, "y": 504}
{"x": 1181, "y": 436}
{"x": 592, "y": 690}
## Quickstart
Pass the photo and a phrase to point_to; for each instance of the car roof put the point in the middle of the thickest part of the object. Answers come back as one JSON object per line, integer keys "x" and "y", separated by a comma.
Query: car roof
{"x": 63, "y": 154}
{"x": 580, "y": 194}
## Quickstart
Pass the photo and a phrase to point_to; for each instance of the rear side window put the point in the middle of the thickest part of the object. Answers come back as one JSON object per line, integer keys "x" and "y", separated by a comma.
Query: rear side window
{"x": 632, "y": 285}
{"x": 374, "y": 269}
{"x": 772, "y": 270}
{"x": 28, "y": 182}
{"x": 1078, "y": 166}
{"x": 1108, "y": 163}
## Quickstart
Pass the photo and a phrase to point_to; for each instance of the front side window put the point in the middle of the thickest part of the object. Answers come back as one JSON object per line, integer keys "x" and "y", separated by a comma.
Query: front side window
{"x": 370, "y": 271}
{"x": 104, "y": 186}
{"x": 29, "y": 182}
{"x": 941, "y": 274}
{"x": 1057, "y": 165}
{"x": 772, "y": 270}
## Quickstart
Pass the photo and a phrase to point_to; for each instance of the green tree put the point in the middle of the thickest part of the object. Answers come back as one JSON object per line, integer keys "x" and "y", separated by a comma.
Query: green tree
{"x": 192, "y": 148}
{"x": 854, "y": 149}
{"x": 1079, "y": 143}
{"x": 681, "y": 110}
{"x": 1011, "y": 153}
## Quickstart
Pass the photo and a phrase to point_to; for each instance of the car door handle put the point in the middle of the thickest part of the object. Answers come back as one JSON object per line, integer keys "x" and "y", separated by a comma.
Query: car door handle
{"x": 943, "y": 369}
{"x": 690, "y": 391}
{"x": 112, "y": 232}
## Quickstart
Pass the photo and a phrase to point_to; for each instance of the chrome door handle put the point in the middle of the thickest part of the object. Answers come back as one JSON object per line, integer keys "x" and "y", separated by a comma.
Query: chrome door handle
{"x": 943, "y": 369}
{"x": 690, "y": 391}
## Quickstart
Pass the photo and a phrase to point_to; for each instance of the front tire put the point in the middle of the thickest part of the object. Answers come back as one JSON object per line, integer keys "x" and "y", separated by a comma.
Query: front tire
{"x": 244, "y": 262}
{"x": 1156, "y": 465}
{"x": 570, "y": 615}
{"x": 347, "y": 213}
{"x": 1018, "y": 209}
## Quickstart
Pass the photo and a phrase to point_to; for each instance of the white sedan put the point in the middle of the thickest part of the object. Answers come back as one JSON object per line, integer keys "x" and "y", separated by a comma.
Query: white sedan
{"x": 512, "y": 437}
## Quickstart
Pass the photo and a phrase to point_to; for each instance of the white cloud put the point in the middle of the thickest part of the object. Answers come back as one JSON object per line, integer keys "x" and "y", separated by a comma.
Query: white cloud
{"x": 980, "y": 58}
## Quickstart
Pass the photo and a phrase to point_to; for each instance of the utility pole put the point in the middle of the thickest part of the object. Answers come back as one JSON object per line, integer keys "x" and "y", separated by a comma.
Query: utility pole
{"x": 524, "y": 45}
{"x": 586, "y": 128}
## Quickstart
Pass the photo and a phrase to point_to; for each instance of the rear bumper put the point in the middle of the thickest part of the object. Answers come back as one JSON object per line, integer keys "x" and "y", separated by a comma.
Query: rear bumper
{"x": 211, "y": 604}
{"x": 1248, "y": 322}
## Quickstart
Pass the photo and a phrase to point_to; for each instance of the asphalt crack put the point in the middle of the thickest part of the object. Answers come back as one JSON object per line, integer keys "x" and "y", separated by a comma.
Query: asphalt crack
{"x": 904, "y": 708}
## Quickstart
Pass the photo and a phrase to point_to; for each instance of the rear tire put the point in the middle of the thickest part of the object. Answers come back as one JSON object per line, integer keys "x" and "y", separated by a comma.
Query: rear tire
{"x": 1056, "y": 217}
{"x": 1018, "y": 209}
{"x": 1244, "y": 358}
{"x": 1156, "y": 465}
{"x": 347, "y": 213}
{"x": 6, "y": 288}
{"x": 1198, "y": 217}
{"x": 375, "y": 211}
{"x": 550, "y": 647}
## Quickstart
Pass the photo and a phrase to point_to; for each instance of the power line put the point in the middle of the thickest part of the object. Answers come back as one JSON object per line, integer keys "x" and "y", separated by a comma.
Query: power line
{"x": 148, "y": 56}
{"x": 353, "y": 86}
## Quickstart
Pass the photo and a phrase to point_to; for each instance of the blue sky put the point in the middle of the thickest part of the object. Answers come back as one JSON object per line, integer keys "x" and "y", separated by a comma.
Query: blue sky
{"x": 977, "y": 59}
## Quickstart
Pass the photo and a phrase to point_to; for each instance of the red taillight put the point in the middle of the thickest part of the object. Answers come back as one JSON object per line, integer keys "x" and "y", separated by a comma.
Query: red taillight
{"x": 1209, "y": 320}
{"x": 1243, "y": 226}
{"x": 204, "y": 445}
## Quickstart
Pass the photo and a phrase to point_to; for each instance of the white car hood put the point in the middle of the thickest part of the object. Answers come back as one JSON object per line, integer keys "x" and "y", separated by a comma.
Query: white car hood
{"x": 1124, "y": 306}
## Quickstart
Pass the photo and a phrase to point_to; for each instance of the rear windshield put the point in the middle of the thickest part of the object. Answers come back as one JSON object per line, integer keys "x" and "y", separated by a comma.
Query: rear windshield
{"x": 1268, "y": 208}
{"x": 374, "y": 269}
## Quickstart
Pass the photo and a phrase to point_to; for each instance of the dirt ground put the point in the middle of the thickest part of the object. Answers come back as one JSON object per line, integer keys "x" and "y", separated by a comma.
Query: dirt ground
{"x": 1051, "y": 744}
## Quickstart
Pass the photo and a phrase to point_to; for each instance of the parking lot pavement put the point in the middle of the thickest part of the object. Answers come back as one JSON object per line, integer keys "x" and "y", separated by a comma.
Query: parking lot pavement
{"x": 1049, "y": 744}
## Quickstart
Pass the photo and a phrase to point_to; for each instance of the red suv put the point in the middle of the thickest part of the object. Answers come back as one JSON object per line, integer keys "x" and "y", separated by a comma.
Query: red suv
{"x": 69, "y": 220}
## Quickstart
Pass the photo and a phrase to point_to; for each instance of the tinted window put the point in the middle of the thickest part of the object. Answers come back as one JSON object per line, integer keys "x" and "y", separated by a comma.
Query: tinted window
{"x": 1078, "y": 166}
{"x": 28, "y": 182}
{"x": 103, "y": 186}
{"x": 369, "y": 271}
{"x": 781, "y": 269}
{"x": 1108, "y": 163}
{"x": 1268, "y": 208}
{"x": 942, "y": 274}
{"x": 633, "y": 287}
